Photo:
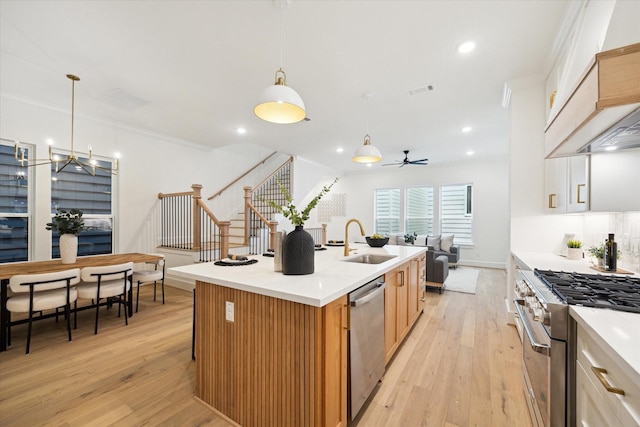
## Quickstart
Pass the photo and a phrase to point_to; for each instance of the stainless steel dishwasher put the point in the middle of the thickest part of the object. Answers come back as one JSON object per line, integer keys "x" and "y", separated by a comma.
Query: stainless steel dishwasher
{"x": 366, "y": 342}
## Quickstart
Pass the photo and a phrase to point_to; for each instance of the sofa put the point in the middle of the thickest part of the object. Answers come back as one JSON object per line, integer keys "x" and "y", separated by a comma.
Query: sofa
{"x": 439, "y": 244}
{"x": 437, "y": 267}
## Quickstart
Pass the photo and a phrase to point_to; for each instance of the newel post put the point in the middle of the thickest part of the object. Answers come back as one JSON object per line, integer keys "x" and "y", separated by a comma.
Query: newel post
{"x": 196, "y": 196}
{"x": 273, "y": 229}
{"x": 247, "y": 202}
{"x": 324, "y": 234}
{"x": 224, "y": 238}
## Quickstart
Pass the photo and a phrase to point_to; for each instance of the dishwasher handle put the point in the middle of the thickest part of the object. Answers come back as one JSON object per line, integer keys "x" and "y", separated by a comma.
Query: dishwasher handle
{"x": 369, "y": 296}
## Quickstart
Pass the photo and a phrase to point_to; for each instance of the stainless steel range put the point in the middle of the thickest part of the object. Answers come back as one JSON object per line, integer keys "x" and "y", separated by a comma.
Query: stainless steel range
{"x": 549, "y": 342}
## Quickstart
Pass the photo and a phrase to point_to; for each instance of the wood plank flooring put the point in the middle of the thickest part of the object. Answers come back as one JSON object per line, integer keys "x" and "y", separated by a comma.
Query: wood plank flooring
{"x": 460, "y": 366}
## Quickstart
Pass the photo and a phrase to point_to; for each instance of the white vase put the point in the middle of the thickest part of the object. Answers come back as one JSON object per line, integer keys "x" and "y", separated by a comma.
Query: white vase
{"x": 68, "y": 248}
{"x": 574, "y": 253}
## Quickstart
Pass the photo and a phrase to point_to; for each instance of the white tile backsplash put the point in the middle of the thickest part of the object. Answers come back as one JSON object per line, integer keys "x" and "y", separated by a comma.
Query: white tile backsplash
{"x": 625, "y": 226}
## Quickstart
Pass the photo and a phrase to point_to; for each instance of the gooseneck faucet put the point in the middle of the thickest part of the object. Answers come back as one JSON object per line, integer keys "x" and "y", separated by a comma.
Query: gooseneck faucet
{"x": 346, "y": 234}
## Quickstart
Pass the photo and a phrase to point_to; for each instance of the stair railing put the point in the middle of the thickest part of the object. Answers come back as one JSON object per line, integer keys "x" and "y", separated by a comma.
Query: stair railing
{"x": 258, "y": 213}
{"x": 187, "y": 223}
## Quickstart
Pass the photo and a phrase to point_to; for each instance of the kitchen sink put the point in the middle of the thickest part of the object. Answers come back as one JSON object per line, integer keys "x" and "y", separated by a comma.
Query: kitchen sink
{"x": 371, "y": 259}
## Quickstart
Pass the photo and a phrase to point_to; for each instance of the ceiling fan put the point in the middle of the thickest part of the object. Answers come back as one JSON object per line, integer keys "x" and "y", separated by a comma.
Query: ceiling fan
{"x": 406, "y": 161}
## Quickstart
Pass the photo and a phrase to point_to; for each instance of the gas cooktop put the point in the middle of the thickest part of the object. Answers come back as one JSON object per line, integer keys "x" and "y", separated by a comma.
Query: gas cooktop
{"x": 594, "y": 290}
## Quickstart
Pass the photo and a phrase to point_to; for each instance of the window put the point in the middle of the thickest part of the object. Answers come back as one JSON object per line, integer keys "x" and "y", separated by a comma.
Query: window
{"x": 419, "y": 210}
{"x": 456, "y": 217}
{"x": 14, "y": 206}
{"x": 72, "y": 187}
{"x": 387, "y": 211}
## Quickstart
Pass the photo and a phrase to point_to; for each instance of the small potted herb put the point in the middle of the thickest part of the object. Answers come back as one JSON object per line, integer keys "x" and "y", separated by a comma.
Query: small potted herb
{"x": 68, "y": 224}
{"x": 574, "y": 250}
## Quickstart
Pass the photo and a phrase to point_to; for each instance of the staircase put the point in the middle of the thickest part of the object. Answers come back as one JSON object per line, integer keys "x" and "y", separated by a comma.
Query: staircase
{"x": 188, "y": 225}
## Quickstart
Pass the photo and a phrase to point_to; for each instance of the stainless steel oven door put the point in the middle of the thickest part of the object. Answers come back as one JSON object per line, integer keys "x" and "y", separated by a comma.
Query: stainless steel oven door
{"x": 536, "y": 366}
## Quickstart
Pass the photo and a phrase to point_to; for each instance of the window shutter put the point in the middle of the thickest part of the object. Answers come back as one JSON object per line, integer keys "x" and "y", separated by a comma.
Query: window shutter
{"x": 419, "y": 210}
{"x": 455, "y": 212}
{"x": 387, "y": 211}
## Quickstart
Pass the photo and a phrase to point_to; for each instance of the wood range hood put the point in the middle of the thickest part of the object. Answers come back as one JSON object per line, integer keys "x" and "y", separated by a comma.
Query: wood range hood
{"x": 604, "y": 109}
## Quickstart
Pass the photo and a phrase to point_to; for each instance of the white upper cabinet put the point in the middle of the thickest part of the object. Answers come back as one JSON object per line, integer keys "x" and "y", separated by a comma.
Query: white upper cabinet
{"x": 555, "y": 184}
{"x": 578, "y": 183}
{"x": 567, "y": 185}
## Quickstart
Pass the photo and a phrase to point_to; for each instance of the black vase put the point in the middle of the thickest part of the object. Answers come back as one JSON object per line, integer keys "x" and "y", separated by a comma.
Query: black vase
{"x": 298, "y": 251}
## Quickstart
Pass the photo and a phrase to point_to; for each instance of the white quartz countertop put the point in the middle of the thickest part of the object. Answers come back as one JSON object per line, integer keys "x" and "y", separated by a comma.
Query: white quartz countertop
{"x": 619, "y": 330}
{"x": 333, "y": 276}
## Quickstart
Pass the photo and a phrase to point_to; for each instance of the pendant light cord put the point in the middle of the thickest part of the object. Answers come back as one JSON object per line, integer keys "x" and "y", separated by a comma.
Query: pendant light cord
{"x": 281, "y": 34}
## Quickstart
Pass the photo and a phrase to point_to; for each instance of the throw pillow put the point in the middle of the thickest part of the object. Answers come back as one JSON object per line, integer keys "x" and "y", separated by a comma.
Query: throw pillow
{"x": 446, "y": 241}
{"x": 434, "y": 242}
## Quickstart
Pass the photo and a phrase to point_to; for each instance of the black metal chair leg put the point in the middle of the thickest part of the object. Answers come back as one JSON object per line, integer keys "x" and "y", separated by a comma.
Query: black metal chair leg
{"x": 138, "y": 296}
{"x": 163, "y": 290}
{"x": 95, "y": 332}
{"x": 29, "y": 332}
{"x": 8, "y": 328}
{"x": 68, "y": 314}
{"x": 154, "y": 290}
{"x": 75, "y": 314}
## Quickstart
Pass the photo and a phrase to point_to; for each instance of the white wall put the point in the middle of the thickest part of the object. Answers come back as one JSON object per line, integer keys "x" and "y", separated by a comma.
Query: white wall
{"x": 490, "y": 210}
{"x": 150, "y": 164}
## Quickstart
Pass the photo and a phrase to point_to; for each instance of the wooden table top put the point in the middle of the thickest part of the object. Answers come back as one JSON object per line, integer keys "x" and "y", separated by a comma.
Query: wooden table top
{"x": 49, "y": 266}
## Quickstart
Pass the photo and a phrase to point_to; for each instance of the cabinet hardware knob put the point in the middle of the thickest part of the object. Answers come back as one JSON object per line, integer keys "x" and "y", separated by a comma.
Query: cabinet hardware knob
{"x": 551, "y": 201}
{"x": 600, "y": 373}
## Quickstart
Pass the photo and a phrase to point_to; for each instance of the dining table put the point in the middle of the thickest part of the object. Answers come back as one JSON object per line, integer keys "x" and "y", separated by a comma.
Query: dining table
{"x": 7, "y": 271}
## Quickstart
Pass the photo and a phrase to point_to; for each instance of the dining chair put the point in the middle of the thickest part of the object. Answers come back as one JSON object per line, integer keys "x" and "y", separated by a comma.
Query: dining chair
{"x": 46, "y": 291}
{"x": 148, "y": 275}
{"x": 106, "y": 282}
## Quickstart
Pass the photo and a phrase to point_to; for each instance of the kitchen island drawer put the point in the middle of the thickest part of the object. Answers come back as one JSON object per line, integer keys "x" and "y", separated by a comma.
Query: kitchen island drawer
{"x": 618, "y": 385}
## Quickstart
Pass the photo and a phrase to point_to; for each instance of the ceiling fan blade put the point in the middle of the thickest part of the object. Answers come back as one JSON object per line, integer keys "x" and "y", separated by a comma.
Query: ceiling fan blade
{"x": 421, "y": 160}
{"x": 390, "y": 164}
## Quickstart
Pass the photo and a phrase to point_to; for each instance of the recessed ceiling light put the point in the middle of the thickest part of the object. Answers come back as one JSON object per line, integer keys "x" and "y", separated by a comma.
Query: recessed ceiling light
{"x": 466, "y": 129}
{"x": 339, "y": 150}
{"x": 368, "y": 165}
{"x": 241, "y": 131}
{"x": 469, "y": 153}
{"x": 467, "y": 47}
{"x": 611, "y": 148}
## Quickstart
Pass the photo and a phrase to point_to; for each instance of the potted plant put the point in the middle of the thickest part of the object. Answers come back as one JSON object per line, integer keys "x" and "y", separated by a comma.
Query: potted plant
{"x": 298, "y": 248}
{"x": 68, "y": 224}
{"x": 598, "y": 253}
{"x": 574, "y": 250}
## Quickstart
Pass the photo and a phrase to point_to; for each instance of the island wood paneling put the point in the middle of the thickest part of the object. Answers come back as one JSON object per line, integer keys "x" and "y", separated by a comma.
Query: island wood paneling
{"x": 272, "y": 365}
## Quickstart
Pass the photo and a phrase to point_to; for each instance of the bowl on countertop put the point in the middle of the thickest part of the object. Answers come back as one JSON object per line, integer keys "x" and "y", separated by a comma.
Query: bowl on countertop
{"x": 377, "y": 243}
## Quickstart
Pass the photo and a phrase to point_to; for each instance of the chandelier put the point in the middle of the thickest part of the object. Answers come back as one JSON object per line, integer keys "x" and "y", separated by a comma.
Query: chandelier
{"x": 88, "y": 166}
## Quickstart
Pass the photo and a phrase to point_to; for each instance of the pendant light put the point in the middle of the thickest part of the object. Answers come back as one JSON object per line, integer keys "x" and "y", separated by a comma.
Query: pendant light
{"x": 279, "y": 103}
{"x": 367, "y": 153}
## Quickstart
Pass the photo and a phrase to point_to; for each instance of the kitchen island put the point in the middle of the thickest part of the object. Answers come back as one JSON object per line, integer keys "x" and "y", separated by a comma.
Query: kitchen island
{"x": 271, "y": 349}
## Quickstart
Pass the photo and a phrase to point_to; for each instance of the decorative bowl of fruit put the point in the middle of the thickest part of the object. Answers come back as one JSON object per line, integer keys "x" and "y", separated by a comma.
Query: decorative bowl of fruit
{"x": 377, "y": 240}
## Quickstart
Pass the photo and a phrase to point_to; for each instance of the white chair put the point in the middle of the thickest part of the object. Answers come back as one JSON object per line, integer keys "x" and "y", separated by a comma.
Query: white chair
{"x": 46, "y": 291}
{"x": 106, "y": 282}
{"x": 148, "y": 275}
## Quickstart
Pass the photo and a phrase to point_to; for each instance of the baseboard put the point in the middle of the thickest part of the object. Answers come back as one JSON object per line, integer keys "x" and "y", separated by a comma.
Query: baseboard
{"x": 178, "y": 282}
{"x": 483, "y": 264}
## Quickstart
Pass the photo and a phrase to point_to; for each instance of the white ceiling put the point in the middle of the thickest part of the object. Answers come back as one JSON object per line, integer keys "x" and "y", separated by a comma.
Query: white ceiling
{"x": 200, "y": 66}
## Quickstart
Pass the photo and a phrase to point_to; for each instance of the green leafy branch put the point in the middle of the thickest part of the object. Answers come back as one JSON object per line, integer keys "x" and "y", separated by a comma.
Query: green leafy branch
{"x": 290, "y": 211}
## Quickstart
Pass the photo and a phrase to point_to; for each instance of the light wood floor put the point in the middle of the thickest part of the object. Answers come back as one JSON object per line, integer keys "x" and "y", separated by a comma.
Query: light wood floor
{"x": 460, "y": 366}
